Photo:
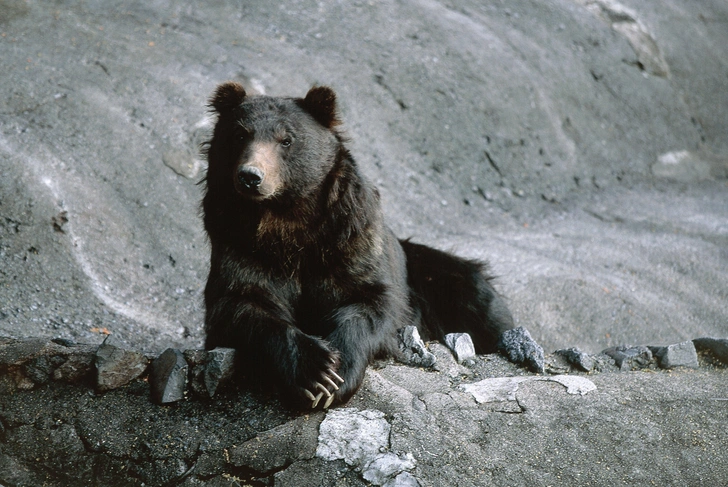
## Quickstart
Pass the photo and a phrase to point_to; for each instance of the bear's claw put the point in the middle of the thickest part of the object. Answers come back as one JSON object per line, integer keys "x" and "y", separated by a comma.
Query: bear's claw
{"x": 323, "y": 390}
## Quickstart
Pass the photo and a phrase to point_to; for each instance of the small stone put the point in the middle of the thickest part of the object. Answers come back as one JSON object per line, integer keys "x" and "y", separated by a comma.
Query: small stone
{"x": 520, "y": 348}
{"x": 413, "y": 349}
{"x": 577, "y": 358}
{"x": 219, "y": 368}
{"x": 168, "y": 377}
{"x": 630, "y": 358}
{"x": 116, "y": 367}
{"x": 678, "y": 355}
{"x": 461, "y": 345}
{"x": 718, "y": 347}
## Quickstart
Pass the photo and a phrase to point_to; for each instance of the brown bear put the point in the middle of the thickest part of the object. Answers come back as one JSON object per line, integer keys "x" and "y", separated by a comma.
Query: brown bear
{"x": 306, "y": 281}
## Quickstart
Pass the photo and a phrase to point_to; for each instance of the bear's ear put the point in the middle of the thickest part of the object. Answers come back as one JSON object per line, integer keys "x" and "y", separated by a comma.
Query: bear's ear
{"x": 320, "y": 102}
{"x": 227, "y": 97}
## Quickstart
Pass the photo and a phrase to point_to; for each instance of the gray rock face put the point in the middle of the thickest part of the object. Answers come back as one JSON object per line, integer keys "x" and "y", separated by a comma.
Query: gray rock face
{"x": 461, "y": 345}
{"x": 168, "y": 377}
{"x": 116, "y": 367}
{"x": 520, "y": 348}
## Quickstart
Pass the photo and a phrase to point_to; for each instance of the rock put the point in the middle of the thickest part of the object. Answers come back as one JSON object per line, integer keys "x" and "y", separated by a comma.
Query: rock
{"x": 682, "y": 166}
{"x": 387, "y": 466}
{"x": 716, "y": 346}
{"x": 630, "y": 358}
{"x": 678, "y": 355}
{"x": 520, "y": 348}
{"x": 116, "y": 367}
{"x": 219, "y": 368}
{"x": 413, "y": 350}
{"x": 461, "y": 345}
{"x": 168, "y": 377}
{"x": 502, "y": 389}
{"x": 577, "y": 358}
{"x": 405, "y": 479}
{"x": 361, "y": 439}
{"x": 446, "y": 363}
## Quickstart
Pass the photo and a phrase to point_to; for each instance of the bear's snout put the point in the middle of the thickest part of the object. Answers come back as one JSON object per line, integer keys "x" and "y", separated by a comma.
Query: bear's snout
{"x": 258, "y": 172}
{"x": 250, "y": 177}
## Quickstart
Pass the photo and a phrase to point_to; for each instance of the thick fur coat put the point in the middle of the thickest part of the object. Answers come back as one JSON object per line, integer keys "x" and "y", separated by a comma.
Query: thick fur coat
{"x": 306, "y": 281}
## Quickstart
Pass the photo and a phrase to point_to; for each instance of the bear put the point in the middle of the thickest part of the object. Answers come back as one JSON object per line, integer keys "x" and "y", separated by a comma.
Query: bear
{"x": 306, "y": 280}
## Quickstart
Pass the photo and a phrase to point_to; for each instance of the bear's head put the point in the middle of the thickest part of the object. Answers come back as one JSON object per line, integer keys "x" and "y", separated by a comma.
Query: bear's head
{"x": 272, "y": 148}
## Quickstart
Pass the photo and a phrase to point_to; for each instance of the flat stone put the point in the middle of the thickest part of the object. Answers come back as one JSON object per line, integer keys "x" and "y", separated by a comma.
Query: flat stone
{"x": 461, "y": 345}
{"x": 716, "y": 346}
{"x": 577, "y": 358}
{"x": 520, "y": 348}
{"x": 168, "y": 377}
{"x": 219, "y": 368}
{"x": 116, "y": 367}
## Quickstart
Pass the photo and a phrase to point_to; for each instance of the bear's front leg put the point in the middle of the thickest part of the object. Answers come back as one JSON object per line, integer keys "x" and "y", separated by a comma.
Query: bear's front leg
{"x": 360, "y": 334}
{"x": 272, "y": 351}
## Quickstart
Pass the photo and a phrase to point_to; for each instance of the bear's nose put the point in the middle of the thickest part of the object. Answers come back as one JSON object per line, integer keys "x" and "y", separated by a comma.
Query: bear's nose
{"x": 250, "y": 177}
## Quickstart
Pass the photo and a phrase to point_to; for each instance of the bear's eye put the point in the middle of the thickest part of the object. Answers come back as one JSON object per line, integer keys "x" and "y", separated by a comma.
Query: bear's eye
{"x": 286, "y": 142}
